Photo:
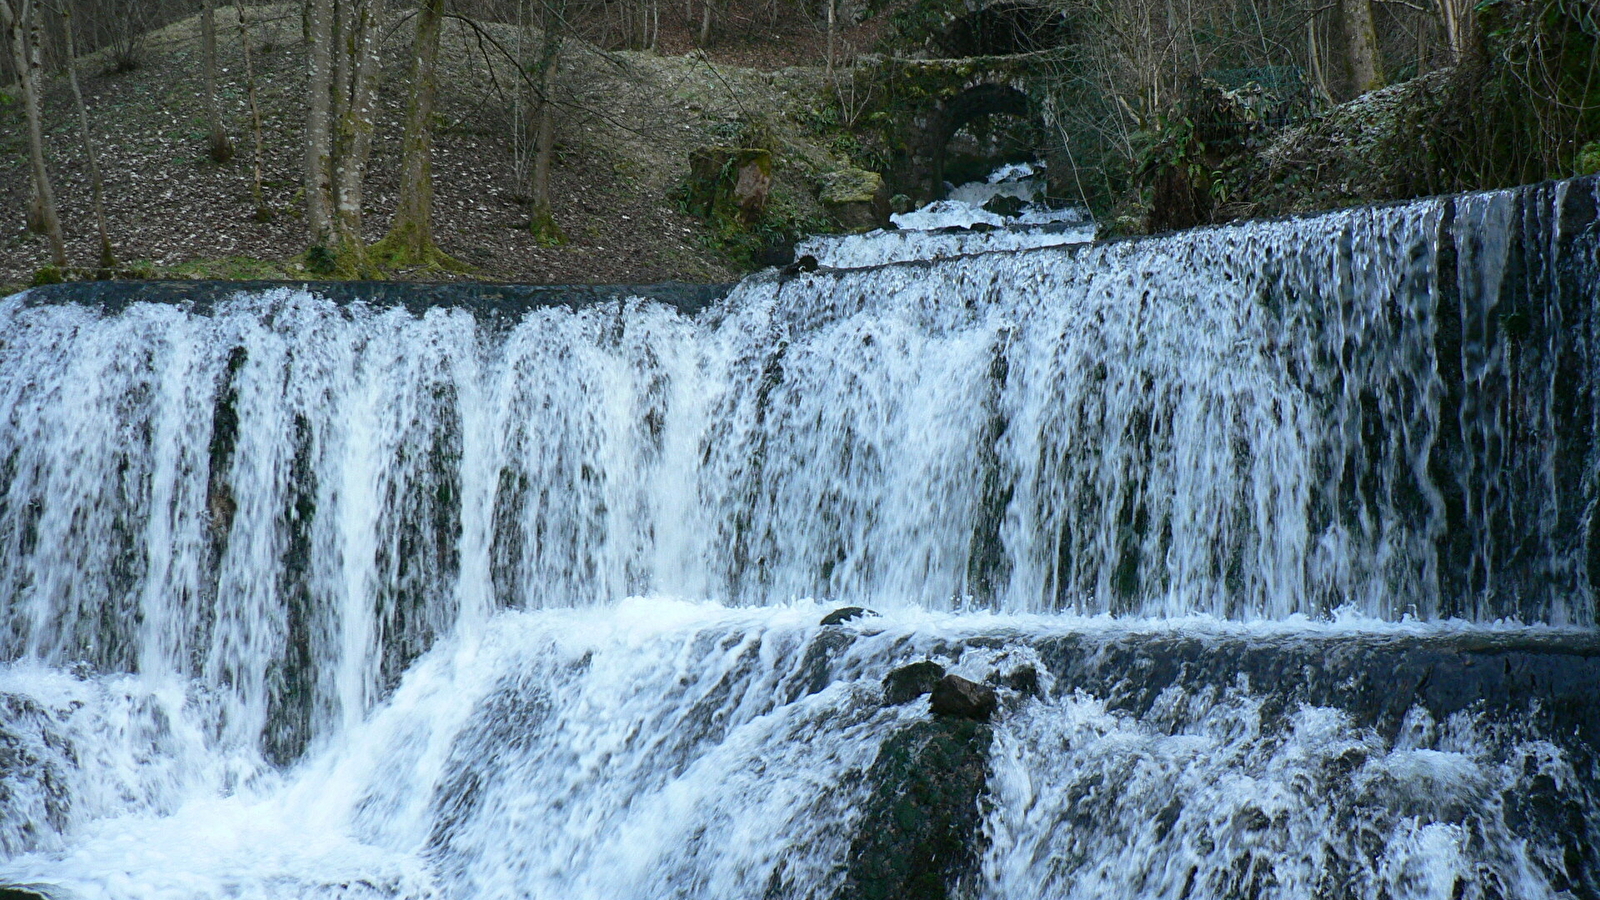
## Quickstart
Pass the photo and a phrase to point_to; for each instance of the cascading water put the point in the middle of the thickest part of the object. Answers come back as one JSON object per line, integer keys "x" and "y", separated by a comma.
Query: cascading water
{"x": 1293, "y": 523}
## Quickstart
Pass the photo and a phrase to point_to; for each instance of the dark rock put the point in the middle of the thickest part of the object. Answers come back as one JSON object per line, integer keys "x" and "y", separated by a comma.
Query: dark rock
{"x": 919, "y": 832}
{"x": 907, "y": 683}
{"x": 956, "y": 696}
{"x": 1005, "y": 205}
{"x": 1025, "y": 681}
{"x": 982, "y": 227}
{"x": 27, "y": 892}
{"x": 815, "y": 671}
{"x": 807, "y": 263}
{"x": 845, "y": 614}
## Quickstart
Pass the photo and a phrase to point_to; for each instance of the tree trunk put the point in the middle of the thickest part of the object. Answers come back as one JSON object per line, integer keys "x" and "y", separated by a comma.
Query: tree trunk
{"x": 706, "y": 17}
{"x": 218, "y": 144}
{"x": 23, "y": 24}
{"x": 1456, "y": 16}
{"x": 1363, "y": 67}
{"x": 108, "y": 258}
{"x": 410, "y": 238}
{"x": 542, "y": 219}
{"x": 832, "y": 16}
{"x": 356, "y": 124}
{"x": 539, "y": 135}
{"x": 262, "y": 212}
{"x": 319, "y": 123}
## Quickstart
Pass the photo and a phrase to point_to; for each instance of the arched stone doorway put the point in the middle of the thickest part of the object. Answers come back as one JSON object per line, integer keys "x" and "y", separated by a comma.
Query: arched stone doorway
{"x": 976, "y": 131}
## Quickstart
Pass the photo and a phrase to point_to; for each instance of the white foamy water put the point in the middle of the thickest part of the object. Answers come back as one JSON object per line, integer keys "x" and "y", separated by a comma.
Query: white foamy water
{"x": 932, "y": 231}
{"x": 1204, "y": 796}
{"x": 661, "y": 748}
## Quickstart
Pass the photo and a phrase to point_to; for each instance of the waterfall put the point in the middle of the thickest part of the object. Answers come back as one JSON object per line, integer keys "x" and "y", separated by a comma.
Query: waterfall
{"x": 311, "y": 597}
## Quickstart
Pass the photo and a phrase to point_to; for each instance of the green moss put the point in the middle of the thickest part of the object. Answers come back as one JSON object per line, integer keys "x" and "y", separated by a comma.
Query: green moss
{"x": 850, "y": 186}
{"x": 229, "y": 268}
{"x": 1588, "y": 161}
{"x": 397, "y": 251}
{"x": 50, "y": 274}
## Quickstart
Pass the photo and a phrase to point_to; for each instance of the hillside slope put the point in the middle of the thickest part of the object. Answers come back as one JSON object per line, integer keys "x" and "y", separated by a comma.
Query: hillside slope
{"x": 623, "y": 146}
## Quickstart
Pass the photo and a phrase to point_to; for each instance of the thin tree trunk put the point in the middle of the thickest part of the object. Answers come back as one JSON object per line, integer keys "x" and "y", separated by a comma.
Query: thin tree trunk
{"x": 832, "y": 16}
{"x": 1364, "y": 68}
{"x": 262, "y": 212}
{"x": 410, "y": 238}
{"x": 319, "y": 122}
{"x": 541, "y": 121}
{"x": 1455, "y": 15}
{"x": 705, "y": 23}
{"x": 218, "y": 144}
{"x": 544, "y": 151}
{"x": 1319, "y": 75}
{"x": 108, "y": 258}
{"x": 356, "y": 125}
{"x": 23, "y": 24}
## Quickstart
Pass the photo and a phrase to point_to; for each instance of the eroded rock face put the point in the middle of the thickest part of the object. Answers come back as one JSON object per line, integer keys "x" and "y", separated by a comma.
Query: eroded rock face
{"x": 907, "y": 683}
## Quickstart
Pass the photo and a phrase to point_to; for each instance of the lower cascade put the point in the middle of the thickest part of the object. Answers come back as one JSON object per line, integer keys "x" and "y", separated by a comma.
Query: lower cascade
{"x": 1258, "y": 561}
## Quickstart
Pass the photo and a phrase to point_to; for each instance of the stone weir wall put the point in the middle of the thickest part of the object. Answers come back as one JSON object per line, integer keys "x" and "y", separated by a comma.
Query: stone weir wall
{"x": 484, "y": 299}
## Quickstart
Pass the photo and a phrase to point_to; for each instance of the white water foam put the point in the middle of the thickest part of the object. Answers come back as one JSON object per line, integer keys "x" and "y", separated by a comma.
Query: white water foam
{"x": 662, "y": 748}
{"x": 941, "y": 229}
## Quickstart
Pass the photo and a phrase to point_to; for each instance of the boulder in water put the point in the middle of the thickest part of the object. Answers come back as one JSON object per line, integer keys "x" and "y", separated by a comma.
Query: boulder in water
{"x": 920, "y": 833}
{"x": 907, "y": 683}
{"x": 1005, "y": 205}
{"x": 956, "y": 696}
{"x": 1025, "y": 681}
{"x": 806, "y": 263}
{"x": 845, "y": 614}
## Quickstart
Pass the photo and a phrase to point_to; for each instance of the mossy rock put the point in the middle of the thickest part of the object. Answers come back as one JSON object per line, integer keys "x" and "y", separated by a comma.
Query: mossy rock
{"x": 1588, "y": 161}
{"x": 729, "y": 186}
{"x": 855, "y": 198}
{"x": 920, "y": 834}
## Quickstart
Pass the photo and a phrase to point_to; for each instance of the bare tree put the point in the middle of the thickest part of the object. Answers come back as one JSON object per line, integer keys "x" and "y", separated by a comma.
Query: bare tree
{"x": 262, "y": 212}
{"x": 108, "y": 257}
{"x": 218, "y": 144}
{"x": 342, "y": 63}
{"x": 1456, "y": 18}
{"x": 537, "y": 108}
{"x": 23, "y": 23}
{"x": 410, "y": 239}
{"x": 319, "y": 33}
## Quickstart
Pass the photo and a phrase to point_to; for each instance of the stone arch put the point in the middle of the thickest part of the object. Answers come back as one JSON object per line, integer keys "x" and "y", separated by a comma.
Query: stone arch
{"x": 978, "y": 103}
